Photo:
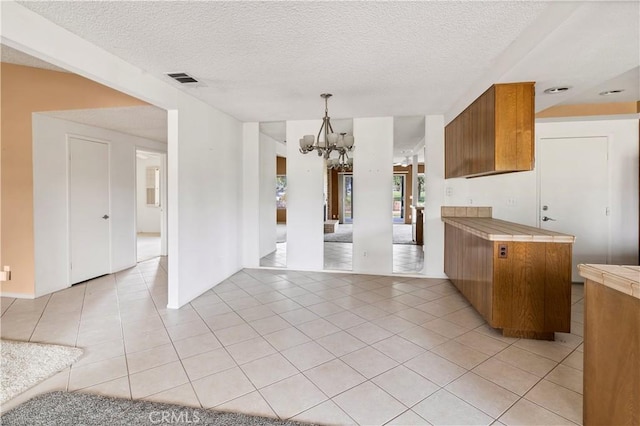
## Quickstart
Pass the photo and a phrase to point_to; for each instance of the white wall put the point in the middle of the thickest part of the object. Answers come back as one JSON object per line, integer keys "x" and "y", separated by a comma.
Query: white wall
{"x": 622, "y": 134}
{"x": 204, "y": 153}
{"x": 251, "y": 195}
{"x": 373, "y": 202}
{"x": 148, "y": 216}
{"x": 209, "y": 199}
{"x": 305, "y": 207}
{"x": 267, "y": 195}
{"x": 434, "y": 197}
{"x": 51, "y": 202}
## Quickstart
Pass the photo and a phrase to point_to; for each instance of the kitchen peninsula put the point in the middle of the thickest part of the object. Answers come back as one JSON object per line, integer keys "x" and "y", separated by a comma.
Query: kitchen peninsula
{"x": 517, "y": 277}
{"x": 611, "y": 344}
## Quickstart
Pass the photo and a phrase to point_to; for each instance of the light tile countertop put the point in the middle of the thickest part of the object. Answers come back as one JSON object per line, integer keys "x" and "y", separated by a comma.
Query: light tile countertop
{"x": 500, "y": 230}
{"x": 625, "y": 279}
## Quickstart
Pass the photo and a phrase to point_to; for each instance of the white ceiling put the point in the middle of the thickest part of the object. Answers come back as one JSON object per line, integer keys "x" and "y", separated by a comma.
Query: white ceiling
{"x": 13, "y": 56}
{"x": 269, "y": 61}
{"x": 144, "y": 121}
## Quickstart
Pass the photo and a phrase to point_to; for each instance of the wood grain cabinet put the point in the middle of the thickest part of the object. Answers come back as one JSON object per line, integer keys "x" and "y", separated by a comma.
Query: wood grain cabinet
{"x": 521, "y": 287}
{"x": 495, "y": 134}
{"x": 611, "y": 345}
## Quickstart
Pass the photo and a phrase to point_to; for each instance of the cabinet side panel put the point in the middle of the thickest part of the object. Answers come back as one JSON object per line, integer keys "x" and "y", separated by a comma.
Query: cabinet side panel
{"x": 611, "y": 357}
{"x": 450, "y": 253}
{"x": 449, "y": 158}
{"x": 487, "y": 130}
{"x": 557, "y": 292}
{"x": 525, "y": 127}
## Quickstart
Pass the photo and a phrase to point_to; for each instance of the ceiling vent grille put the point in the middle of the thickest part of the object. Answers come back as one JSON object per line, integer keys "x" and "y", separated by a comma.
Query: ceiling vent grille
{"x": 182, "y": 77}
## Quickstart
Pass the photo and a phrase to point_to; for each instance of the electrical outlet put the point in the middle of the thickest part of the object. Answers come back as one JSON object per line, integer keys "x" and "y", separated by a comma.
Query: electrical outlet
{"x": 511, "y": 201}
{"x": 502, "y": 251}
{"x": 364, "y": 254}
{"x": 470, "y": 201}
{"x": 5, "y": 274}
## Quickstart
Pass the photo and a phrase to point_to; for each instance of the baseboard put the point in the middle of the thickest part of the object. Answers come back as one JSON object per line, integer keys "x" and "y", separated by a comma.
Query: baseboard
{"x": 17, "y": 295}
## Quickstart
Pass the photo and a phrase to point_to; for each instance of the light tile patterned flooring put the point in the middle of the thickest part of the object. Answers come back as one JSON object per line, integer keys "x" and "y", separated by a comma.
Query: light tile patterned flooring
{"x": 148, "y": 245}
{"x": 407, "y": 258}
{"x": 321, "y": 347}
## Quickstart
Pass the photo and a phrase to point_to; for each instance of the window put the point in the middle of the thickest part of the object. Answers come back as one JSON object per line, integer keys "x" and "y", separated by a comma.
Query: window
{"x": 153, "y": 186}
{"x": 281, "y": 192}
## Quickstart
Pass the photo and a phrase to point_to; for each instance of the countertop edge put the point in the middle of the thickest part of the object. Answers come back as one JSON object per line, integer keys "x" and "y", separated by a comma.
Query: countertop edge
{"x": 458, "y": 222}
{"x": 623, "y": 278}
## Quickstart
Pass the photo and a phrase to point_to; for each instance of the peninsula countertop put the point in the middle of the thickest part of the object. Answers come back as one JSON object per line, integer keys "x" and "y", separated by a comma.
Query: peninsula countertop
{"x": 625, "y": 279}
{"x": 500, "y": 230}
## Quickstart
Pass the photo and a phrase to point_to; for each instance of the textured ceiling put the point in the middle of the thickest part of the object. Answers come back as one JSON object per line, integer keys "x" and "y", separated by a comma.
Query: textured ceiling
{"x": 269, "y": 61}
{"x": 13, "y": 56}
{"x": 144, "y": 121}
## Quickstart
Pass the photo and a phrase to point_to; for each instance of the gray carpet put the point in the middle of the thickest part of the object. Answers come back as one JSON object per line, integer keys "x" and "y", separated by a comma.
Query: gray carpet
{"x": 402, "y": 234}
{"x": 64, "y": 408}
{"x": 26, "y": 364}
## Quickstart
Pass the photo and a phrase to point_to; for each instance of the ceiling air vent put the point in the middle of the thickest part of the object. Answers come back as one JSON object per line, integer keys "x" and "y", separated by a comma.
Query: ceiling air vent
{"x": 182, "y": 77}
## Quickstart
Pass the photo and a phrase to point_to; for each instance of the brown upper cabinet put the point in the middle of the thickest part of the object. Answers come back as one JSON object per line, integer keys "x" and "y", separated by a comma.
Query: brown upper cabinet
{"x": 494, "y": 134}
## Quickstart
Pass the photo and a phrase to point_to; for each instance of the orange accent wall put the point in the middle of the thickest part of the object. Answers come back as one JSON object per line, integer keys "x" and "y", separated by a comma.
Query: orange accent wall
{"x": 23, "y": 91}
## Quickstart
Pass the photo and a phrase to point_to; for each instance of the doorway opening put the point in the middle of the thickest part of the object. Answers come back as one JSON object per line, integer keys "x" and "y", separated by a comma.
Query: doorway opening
{"x": 150, "y": 205}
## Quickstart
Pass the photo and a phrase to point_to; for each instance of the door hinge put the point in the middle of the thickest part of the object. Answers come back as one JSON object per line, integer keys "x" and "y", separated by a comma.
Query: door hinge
{"x": 607, "y": 211}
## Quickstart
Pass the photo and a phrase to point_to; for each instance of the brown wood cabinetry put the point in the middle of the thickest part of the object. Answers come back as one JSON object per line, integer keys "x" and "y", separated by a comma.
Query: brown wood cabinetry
{"x": 611, "y": 347}
{"x": 495, "y": 134}
{"x": 521, "y": 287}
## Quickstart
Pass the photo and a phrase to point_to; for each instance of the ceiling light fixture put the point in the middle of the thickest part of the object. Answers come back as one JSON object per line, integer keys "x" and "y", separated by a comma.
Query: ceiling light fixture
{"x": 558, "y": 89}
{"x": 328, "y": 142}
{"x": 611, "y": 92}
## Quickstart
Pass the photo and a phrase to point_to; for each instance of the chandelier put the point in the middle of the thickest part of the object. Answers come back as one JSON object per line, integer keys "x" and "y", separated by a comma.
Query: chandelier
{"x": 328, "y": 142}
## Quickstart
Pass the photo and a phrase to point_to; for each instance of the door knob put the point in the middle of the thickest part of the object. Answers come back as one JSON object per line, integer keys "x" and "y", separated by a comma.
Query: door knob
{"x": 546, "y": 219}
{"x": 105, "y": 217}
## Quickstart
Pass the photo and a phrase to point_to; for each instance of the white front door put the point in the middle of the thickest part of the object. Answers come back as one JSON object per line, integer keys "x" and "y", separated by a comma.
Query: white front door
{"x": 574, "y": 194}
{"x": 89, "y": 228}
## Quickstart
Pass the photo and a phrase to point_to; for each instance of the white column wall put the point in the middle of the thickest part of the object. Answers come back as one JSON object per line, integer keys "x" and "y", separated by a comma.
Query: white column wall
{"x": 209, "y": 199}
{"x": 204, "y": 153}
{"x": 305, "y": 217}
{"x": 251, "y": 195}
{"x": 373, "y": 198}
{"x": 267, "y": 195}
{"x": 434, "y": 197}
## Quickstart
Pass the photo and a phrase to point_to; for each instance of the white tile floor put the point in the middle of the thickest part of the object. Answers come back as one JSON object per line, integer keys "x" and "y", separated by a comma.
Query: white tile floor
{"x": 148, "y": 245}
{"x": 320, "y": 347}
{"x": 407, "y": 258}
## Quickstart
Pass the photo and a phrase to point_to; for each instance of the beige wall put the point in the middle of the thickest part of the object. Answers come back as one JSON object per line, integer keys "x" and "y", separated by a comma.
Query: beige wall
{"x": 25, "y": 90}
{"x": 585, "y": 110}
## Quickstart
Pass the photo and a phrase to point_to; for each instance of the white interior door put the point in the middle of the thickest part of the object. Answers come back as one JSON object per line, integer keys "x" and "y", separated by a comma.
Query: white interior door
{"x": 88, "y": 209}
{"x": 574, "y": 194}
